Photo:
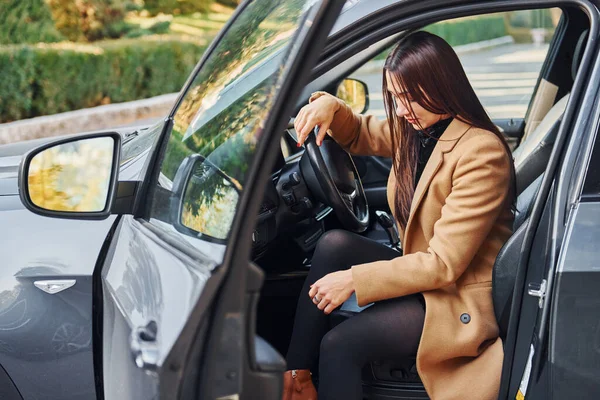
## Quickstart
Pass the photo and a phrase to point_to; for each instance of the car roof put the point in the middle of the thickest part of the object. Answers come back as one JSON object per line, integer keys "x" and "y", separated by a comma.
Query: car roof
{"x": 355, "y": 10}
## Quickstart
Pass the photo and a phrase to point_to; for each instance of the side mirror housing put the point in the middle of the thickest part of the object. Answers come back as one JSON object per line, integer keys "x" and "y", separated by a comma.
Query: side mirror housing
{"x": 355, "y": 93}
{"x": 75, "y": 177}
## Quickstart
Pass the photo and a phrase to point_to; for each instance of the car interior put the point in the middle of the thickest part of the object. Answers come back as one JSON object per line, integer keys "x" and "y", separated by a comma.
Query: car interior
{"x": 295, "y": 212}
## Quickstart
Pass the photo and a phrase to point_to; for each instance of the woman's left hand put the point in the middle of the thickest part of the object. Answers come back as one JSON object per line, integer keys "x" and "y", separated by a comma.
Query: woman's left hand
{"x": 329, "y": 292}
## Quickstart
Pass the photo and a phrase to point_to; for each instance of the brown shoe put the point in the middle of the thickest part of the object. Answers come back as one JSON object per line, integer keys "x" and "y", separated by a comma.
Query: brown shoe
{"x": 298, "y": 385}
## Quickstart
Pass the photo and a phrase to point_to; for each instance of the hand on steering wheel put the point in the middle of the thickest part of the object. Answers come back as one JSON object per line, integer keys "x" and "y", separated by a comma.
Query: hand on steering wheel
{"x": 318, "y": 113}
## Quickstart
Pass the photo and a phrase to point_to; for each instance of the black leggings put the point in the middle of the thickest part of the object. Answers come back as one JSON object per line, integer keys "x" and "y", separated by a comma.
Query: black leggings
{"x": 389, "y": 329}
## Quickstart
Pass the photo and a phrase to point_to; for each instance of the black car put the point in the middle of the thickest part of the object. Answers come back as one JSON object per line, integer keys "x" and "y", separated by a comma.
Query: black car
{"x": 166, "y": 261}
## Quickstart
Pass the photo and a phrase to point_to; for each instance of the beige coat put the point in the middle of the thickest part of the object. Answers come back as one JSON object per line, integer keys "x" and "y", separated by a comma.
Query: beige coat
{"x": 458, "y": 222}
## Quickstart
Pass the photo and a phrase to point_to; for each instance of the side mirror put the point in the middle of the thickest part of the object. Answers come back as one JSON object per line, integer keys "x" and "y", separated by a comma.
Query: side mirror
{"x": 74, "y": 177}
{"x": 204, "y": 199}
{"x": 355, "y": 94}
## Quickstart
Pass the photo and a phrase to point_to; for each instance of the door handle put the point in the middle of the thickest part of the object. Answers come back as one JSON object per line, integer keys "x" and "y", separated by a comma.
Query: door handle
{"x": 144, "y": 347}
{"x": 54, "y": 286}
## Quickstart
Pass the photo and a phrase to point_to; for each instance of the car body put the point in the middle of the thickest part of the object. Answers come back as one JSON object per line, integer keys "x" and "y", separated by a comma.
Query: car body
{"x": 145, "y": 306}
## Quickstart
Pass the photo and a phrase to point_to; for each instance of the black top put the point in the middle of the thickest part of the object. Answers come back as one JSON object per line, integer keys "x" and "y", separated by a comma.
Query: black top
{"x": 428, "y": 138}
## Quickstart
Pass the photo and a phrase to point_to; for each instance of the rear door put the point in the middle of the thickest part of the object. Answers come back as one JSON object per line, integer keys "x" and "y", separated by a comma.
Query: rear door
{"x": 178, "y": 291}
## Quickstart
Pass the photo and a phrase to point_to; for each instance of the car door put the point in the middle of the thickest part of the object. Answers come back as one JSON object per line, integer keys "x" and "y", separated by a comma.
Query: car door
{"x": 177, "y": 289}
{"x": 551, "y": 352}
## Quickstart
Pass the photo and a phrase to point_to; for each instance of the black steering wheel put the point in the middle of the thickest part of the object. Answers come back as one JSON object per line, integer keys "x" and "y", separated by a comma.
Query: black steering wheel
{"x": 340, "y": 184}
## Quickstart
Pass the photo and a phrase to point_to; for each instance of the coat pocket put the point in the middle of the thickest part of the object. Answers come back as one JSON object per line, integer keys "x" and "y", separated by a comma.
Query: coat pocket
{"x": 479, "y": 319}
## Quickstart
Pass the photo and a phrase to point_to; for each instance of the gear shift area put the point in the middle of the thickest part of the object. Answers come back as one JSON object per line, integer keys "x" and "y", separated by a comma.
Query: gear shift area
{"x": 387, "y": 223}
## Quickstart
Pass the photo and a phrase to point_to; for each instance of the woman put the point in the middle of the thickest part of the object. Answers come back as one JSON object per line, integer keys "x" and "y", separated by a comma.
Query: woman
{"x": 451, "y": 190}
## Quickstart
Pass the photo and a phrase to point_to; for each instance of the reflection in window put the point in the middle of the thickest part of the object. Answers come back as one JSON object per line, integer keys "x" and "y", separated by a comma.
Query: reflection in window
{"x": 222, "y": 114}
{"x": 72, "y": 176}
{"x": 209, "y": 202}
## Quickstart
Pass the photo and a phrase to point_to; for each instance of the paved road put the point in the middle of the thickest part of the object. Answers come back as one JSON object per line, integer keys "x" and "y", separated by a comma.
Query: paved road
{"x": 503, "y": 78}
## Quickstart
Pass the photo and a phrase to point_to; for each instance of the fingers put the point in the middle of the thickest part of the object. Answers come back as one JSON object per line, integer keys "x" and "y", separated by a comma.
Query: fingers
{"x": 306, "y": 129}
{"x": 303, "y": 125}
{"x": 305, "y": 122}
{"x": 318, "y": 299}
{"x": 299, "y": 123}
{"x": 322, "y": 132}
{"x": 329, "y": 308}
{"x": 323, "y": 303}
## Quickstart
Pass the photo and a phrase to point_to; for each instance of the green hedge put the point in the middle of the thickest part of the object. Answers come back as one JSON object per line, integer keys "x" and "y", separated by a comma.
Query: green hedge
{"x": 464, "y": 30}
{"x": 26, "y": 22}
{"x": 48, "y": 79}
{"x": 469, "y": 30}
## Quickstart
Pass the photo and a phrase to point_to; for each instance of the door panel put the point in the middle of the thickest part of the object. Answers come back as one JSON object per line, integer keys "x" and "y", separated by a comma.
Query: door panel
{"x": 145, "y": 280}
{"x": 573, "y": 346}
{"x": 180, "y": 261}
{"x": 536, "y": 271}
{"x": 45, "y": 337}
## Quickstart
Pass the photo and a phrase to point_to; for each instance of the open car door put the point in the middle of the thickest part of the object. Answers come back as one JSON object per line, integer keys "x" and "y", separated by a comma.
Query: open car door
{"x": 176, "y": 290}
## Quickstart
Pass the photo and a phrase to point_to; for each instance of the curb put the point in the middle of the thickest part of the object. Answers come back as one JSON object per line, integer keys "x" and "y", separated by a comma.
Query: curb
{"x": 377, "y": 66}
{"x": 87, "y": 119}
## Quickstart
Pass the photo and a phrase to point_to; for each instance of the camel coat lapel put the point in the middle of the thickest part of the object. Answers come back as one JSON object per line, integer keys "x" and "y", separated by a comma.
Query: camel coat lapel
{"x": 446, "y": 143}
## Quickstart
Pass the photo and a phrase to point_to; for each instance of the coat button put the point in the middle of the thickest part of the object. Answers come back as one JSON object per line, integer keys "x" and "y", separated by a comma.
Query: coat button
{"x": 465, "y": 318}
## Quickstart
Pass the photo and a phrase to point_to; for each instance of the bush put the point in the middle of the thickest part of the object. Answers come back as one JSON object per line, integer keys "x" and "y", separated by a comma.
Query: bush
{"x": 469, "y": 30}
{"x": 130, "y": 6}
{"x": 160, "y": 27}
{"x": 48, "y": 79}
{"x": 229, "y": 3}
{"x": 26, "y": 21}
{"x": 86, "y": 19}
{"x": 138, "y": 32}
{"x": 119, "y": 29}
{"x": 16, "y": 89}
{"x": 177, "y": 6}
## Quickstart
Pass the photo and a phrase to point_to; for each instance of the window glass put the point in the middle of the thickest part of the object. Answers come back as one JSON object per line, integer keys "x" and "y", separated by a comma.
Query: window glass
{"x": 501, "y": 53}
{"x": 220, "y": 120}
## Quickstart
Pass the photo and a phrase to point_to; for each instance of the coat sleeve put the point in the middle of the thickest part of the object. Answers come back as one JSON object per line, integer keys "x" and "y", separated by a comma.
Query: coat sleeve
{"x": 363, "y": 135}
{"x": 480, "y": 187}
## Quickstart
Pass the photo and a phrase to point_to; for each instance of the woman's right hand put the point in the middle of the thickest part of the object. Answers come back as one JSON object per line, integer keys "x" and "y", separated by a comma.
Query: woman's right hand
{"x": 319, "y": 112}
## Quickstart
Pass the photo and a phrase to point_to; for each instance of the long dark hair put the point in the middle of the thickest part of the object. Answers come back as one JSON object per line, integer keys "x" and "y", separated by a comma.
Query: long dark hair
{"x": 429, "y": 71}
